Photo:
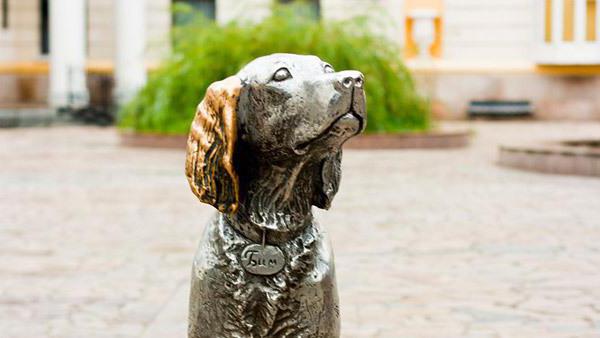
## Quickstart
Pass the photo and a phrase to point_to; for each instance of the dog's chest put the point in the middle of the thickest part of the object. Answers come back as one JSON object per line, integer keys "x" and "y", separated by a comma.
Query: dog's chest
{"x": 300, "y": 299}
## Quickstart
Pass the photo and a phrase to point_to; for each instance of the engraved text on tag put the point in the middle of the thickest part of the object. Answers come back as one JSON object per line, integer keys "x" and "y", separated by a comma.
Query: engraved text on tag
{"x": 262, "y": 260}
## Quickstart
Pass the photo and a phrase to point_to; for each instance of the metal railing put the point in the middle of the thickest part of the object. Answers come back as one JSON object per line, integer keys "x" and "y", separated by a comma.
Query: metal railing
{"x": 569, "y": 32}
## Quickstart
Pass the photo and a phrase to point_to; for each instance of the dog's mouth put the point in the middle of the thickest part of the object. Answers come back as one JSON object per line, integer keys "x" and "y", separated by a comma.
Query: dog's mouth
{"x": 342, "y": 128}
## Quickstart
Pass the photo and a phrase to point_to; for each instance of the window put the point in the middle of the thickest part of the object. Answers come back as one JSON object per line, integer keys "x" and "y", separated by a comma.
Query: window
{"x": 423, "y": 28}
{"x": 44, "y": 31}
{"x": 206, "y": 7}
{"x": 5, "y": 14}
{"x": 314, "y": 7}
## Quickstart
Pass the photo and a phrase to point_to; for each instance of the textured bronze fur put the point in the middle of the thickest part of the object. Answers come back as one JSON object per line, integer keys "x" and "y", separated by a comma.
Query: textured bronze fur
{"x": 210, "y": 146}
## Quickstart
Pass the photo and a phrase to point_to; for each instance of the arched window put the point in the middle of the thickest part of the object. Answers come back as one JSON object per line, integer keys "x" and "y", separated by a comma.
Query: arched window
{"x": 206, "y": 7}
{"x": 314, "y": 6}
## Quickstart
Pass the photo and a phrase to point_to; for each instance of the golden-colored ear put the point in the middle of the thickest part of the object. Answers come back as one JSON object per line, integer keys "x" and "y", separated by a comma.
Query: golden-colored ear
{"x": 209, "y": 162}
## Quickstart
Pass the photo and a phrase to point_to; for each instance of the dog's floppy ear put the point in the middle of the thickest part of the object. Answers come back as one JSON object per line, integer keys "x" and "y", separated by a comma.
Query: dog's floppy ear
{"x": 209, "y": 162}
{"x": 328, "y": 180}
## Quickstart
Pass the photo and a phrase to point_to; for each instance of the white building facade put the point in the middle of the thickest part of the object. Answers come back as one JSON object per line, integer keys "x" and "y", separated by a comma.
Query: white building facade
{"x": 543, "y": 51}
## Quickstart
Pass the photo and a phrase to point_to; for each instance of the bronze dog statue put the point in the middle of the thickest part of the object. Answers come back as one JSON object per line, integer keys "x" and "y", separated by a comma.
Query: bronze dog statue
{"x": 264, "y": 147}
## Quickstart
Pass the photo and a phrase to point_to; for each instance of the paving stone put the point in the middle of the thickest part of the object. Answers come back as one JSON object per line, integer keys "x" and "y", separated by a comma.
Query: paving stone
{"x": 97, "y": 239}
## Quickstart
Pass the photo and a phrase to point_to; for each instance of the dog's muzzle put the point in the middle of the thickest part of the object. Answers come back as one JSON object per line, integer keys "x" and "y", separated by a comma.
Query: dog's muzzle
{"x": 352, "y": 121}
{"x": 348, "y": 124}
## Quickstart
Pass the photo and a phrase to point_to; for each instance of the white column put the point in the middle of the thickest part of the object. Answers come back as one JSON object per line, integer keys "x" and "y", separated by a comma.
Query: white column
{"x": 130, "y": 68}
{"x": 67, "y": 53}
{"x": 558, "y": 8}
{"x": 580, "y": 20}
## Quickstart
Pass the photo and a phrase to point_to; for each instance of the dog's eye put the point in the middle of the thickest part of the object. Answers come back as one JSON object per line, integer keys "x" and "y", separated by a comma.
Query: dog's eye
{"x": 282, "y": 74}
{"x": 329, "y": 69}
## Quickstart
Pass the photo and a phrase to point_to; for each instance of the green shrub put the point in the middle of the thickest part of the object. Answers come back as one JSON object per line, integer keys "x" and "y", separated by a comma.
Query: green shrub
{"x": 204, "y": 52}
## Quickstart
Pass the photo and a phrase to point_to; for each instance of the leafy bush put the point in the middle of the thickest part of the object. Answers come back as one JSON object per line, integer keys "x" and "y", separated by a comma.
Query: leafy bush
{"x": 204, "y": 52}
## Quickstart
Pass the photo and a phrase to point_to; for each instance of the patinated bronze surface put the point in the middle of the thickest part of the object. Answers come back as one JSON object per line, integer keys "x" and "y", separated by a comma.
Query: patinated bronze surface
{"x": 264, "y": 147}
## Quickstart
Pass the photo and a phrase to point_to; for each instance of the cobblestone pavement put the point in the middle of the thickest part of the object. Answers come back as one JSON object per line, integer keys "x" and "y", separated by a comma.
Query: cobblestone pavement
{"x": 97, "y": 239}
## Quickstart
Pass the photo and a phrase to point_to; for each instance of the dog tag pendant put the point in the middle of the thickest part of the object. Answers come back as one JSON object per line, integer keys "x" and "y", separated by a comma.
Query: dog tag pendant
{"x": 261, "y": 259}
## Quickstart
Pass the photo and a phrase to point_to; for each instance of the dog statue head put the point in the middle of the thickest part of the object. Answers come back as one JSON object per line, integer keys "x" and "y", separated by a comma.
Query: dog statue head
{"x": 288, "y": 112}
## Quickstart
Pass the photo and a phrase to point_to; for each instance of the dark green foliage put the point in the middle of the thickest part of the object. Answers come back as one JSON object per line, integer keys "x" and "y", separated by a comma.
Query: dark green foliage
{"x": 204, "y": 52}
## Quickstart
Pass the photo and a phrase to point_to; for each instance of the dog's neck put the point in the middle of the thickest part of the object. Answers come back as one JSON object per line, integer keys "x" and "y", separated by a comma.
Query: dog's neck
{"x": 276, "y": 197}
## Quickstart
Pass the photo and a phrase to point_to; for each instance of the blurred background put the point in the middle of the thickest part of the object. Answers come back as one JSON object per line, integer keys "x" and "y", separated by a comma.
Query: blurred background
{"x": 469, "y": 208}
{"x": 56, "y": 54}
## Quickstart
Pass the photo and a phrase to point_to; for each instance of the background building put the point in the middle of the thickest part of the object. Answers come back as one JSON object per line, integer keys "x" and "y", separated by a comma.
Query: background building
{"x": 54, "y": 52}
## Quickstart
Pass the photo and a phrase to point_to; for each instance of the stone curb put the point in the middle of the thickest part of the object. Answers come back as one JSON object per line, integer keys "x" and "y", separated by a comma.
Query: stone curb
{"x": 424, "y": 140}
{"x": 570, "y": 157}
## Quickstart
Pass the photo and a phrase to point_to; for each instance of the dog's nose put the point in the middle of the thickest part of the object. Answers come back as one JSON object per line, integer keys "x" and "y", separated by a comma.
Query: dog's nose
{"x": 351, "y": 78}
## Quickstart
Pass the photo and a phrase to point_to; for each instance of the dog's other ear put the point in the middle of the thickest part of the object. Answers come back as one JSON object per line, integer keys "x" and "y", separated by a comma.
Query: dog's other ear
{"x": 209, "y": 161}
{"x": 328, "y": 180}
